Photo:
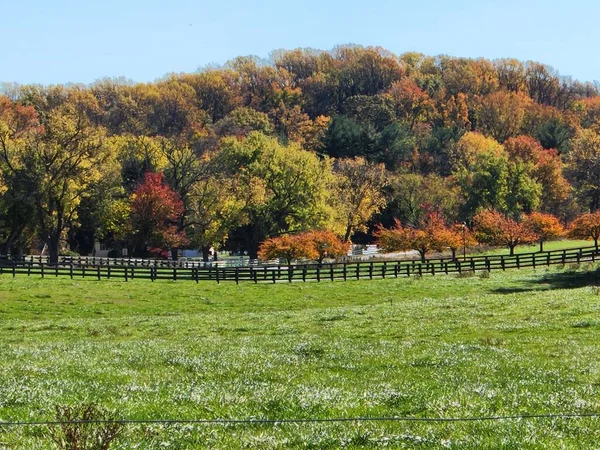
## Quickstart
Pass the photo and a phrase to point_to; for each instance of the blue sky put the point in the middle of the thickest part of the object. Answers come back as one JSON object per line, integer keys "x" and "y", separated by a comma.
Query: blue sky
{"x": 63, "y": 41}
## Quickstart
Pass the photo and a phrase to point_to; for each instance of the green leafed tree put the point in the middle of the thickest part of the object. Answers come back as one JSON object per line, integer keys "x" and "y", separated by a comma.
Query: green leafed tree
{"x": 287, "y": 188}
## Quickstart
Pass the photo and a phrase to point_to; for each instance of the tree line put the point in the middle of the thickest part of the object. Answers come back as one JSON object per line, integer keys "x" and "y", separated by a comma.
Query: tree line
{"x": 335, "y": 141}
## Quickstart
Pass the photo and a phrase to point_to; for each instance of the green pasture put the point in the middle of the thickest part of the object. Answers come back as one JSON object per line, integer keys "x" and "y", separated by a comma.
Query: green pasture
{"x": 550, "y": 245}
{"x": 518, "y": 342}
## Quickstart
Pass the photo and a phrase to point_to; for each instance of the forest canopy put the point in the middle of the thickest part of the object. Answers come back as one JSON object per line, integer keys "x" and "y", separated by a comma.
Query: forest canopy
{"x": 336, "y": 140}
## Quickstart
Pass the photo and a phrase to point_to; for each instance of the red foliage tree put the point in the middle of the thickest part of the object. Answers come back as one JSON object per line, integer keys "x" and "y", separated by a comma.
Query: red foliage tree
{"x": 155, "y": 208}
{"x": 493, "y": 228}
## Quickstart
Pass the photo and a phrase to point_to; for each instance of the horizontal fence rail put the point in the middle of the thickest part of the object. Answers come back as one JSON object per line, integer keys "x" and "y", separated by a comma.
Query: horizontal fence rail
{"x": 300, "y": 272}
{"x": 137, "y": 262}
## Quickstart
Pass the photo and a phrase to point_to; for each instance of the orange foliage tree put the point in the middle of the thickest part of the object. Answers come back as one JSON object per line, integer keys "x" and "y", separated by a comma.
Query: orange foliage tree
{"x": 586, "y": 226}
{"x": 317, "y": 245}
{"x": 456, "y": 236}
{"x": 493, "y": 228}
{"x": 327, "y": 244}
{"x": 545, "y": 226}
{"x": 289, "y": 246}
{"x": 431, "y": 235}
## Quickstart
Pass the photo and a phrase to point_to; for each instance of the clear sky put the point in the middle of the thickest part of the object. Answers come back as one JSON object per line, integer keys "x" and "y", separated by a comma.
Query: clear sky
{"x": 60, "y": 41}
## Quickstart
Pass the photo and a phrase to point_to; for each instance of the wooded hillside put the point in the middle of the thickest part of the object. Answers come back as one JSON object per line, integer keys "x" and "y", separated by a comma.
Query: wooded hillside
{"x": 338, "y": 140}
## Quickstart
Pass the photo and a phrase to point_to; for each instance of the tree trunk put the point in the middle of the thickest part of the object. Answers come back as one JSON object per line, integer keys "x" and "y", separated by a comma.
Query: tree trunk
{"x": 422, "y": 253}
{"x": 253, "y": 252}
{"x": 174, "y": 254}
{"x": 7, "y": 247}
{"x": 596, "y": 242}
{"x": 348, "y": 233}
{"x": 512, "y": 249}
{"x": 453, "y": 250}
{"x": 541, "y": 246}
{"x": 205, "y": 253}
{"x": 215, "y": 256}
{"x": 53, "y": 243}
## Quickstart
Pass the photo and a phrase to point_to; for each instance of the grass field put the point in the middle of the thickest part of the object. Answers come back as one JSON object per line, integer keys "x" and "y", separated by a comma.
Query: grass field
{"x": 551, "y": 245}
{"x": 520, "y": 342}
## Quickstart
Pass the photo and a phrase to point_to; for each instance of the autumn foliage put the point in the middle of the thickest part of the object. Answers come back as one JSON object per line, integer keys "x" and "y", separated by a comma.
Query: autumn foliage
{"x": 544, "y": 226}
{"x": 586, "y": 226}
{"x": 494, "y": 228}
{"x": 457, "y": 236}
{"x": 315, "y": 245}
{"x": 432, "y": 235}
{"x": 155, "y": 208}
{"x": 309, "y": 140}
{"x": 327, "y": 244}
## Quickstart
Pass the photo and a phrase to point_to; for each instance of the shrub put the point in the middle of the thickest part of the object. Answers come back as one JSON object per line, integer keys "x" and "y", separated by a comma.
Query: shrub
{"x": 76, "y": 433}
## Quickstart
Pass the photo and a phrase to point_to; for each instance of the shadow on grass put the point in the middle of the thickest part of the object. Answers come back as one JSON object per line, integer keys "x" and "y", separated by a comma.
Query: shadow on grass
{"x": 557, "y": 280}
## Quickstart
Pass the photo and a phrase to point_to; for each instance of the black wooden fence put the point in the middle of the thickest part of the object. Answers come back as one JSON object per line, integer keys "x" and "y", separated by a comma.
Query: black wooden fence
{"x": 300, "y": 272}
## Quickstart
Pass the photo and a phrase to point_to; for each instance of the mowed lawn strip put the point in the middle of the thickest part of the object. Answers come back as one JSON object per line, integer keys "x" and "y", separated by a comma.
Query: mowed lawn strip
{"x": 519, "y": 342}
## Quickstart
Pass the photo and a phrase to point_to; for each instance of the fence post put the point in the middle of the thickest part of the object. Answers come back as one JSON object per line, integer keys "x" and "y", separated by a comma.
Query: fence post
{"x": 290, "y": 273}
{"x": 344, "y": 269}
{"x": 518, "y": 262}
{"x": 14, "y": 269}
{"x": 126, "y": 278}
{"x": 502, "y": 262}
{"x": 357, "y": 271}
{"x": 319, "y": 273}
{"x": 217, "y": 271}
{"x": 237, "y": 275}
{"x": 384, "y": 269}
{"x": 174, "y": 273}
{"x": 273, "y": 272}
{"x": 304, "y": 273}
{"x": 371, "y": 271}
{"x": 408, "y": 270}
{"x": 331, "y": 271}
{"x": 98, "y": 270}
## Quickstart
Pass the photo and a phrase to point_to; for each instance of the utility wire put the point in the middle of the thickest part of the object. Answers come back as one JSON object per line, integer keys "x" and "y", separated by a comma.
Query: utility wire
{"x": 302, "y": 421}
